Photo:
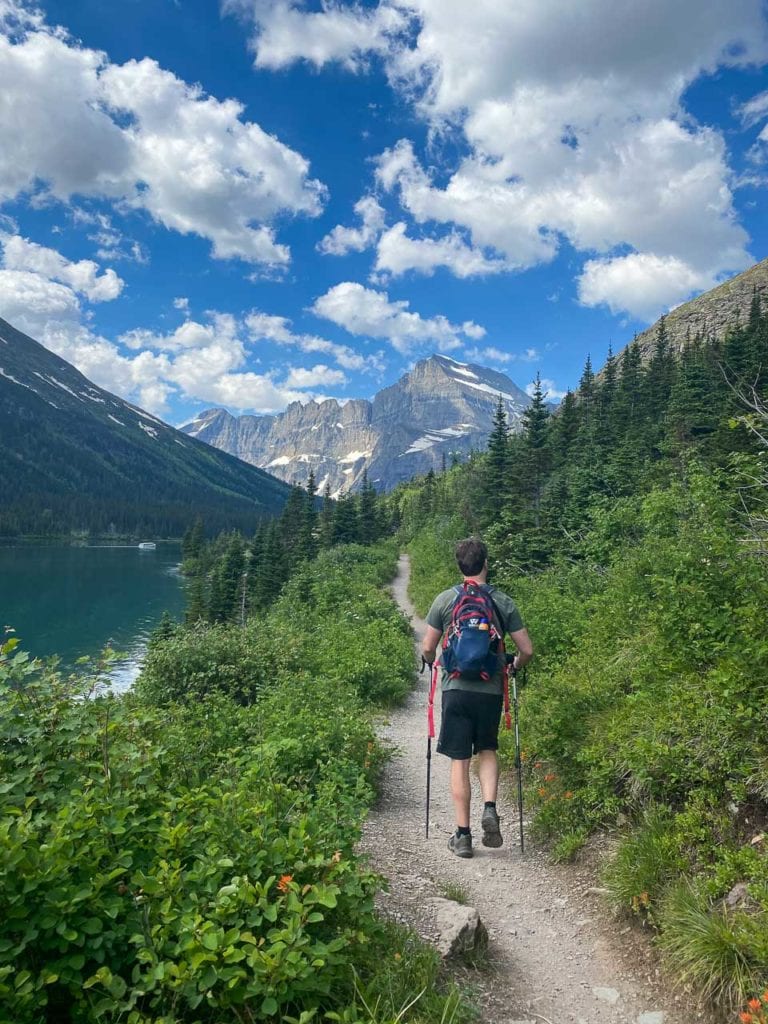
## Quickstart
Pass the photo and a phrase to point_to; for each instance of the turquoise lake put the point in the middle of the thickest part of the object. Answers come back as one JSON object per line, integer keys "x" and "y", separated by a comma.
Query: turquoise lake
{"x": 73, "y": 601}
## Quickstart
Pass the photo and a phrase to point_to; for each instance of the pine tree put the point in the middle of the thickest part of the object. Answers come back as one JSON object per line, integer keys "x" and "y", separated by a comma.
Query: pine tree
{"x": 346, "y": 529}
{"x": 536, "y": 452}
{"x": 368, "y": 521}
{"x": 326, "y": 517}
{"x": 496, "y": 475}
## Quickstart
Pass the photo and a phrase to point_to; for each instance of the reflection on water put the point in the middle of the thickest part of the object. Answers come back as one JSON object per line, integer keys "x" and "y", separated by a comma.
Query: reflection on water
{"x": 74, "y": 601}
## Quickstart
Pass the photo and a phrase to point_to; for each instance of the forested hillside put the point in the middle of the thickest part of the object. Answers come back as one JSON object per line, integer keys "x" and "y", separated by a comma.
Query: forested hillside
{"x": 77, "y": 459}
{"x": 631, "y": 529}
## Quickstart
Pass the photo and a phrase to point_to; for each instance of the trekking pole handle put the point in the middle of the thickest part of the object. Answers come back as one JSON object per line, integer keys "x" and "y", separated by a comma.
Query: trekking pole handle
{"x": 425, "y": 664}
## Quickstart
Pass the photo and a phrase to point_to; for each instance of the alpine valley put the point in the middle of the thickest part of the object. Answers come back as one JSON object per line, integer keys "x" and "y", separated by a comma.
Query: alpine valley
{"x": 439, "y": 410}
{"x": 77, "y": 458}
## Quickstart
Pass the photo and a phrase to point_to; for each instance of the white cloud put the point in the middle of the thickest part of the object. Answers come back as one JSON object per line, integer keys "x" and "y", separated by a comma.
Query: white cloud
{"x": 341, "y": 240}
{"x": 286, "y": 32}
{"x": 137, "y": 134}
{"x": 182, "y": 303}
{"x": 83, "y": 276}
{"x": 278, "y": 329}
{"x": 755, "y": 109}
{"x": 550, "y": 391}
{"x": 366, "y": 312}
{"x": 490, "y": 354}
{"x": 397, "y": 253}
{"x": 318, "y": 375}
{"x": 643, "y": 284}
{"x": 570, "y": 118}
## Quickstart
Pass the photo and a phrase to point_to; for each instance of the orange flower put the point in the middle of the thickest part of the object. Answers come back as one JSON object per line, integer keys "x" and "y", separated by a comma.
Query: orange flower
{"x": 754, "y": 1004}
{"x": 764, "y": 996}
{"x": 568, "y": 794}
{"x": 538, "y": 765}
{"x": 550, "y": 777}
{"x": 542, "y": 791}
{"x": 745, "y": 1018}
{"x": 285, "y": 881}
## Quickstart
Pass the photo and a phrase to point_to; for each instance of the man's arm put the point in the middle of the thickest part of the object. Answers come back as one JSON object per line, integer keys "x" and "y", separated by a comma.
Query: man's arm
{"x": 429, "y": 644}
{"x": 524, "y": 648}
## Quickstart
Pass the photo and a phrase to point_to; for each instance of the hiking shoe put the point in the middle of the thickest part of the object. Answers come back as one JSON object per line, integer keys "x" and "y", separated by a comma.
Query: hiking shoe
{"x": 460, "y": 845}
{"x": 491, "y": 829}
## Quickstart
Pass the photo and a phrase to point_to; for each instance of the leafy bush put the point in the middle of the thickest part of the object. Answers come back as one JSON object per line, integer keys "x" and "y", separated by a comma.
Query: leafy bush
{"x": 185, "y": 853}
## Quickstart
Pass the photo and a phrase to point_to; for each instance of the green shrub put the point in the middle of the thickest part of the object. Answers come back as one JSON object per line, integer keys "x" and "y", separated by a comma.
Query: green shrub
{"x": 722, "y": 955}
{"x": 646, "y": 861}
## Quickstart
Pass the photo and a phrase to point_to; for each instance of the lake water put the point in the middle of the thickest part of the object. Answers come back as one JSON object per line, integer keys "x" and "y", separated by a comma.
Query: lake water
{"x": 73, "y": 601}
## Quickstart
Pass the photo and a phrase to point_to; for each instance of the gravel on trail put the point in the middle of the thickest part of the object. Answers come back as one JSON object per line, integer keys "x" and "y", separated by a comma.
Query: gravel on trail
{"x": 555, "y": 954}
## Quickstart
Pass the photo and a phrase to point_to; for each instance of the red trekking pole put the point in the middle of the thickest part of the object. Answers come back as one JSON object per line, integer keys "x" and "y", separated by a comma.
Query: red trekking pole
{"x": 430, "y": 727}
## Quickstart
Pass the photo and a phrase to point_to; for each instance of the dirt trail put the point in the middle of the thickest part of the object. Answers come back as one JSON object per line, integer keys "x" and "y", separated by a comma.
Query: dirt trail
{"x": 554, "y": 953}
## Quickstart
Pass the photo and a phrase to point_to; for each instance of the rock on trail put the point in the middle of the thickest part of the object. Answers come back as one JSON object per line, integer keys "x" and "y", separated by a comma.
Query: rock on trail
{"x": 554, "y": 953}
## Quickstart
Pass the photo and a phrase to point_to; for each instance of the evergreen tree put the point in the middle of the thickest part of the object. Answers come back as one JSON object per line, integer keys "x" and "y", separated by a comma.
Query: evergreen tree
{"x": 536, "y": 452}
{"x": 368, "y": 520}
{"x": 326, "y": 517}
{"x": 496, "y": 474}
{"x": 345, "y": 521}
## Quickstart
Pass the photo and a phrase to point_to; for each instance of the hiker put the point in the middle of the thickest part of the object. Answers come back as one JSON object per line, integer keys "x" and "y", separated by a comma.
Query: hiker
{"x": 472, "y": 701}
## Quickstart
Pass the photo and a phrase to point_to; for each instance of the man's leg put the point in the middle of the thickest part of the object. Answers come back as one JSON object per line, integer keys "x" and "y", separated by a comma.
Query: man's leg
{"x": 461, "y": 791}
{"x": 488, "y": 773}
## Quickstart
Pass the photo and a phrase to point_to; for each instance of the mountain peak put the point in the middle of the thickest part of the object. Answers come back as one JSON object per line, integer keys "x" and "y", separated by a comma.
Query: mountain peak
{"x": 441, "y": 408}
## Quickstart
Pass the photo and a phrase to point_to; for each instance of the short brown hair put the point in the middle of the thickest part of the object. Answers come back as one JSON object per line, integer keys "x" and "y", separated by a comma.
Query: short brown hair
{"x": 471, "y": 555}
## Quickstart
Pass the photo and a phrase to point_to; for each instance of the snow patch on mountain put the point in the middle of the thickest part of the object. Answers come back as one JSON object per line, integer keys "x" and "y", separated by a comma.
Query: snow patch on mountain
{"x": 355, "y": 457}
{"x": 149, "y": 430}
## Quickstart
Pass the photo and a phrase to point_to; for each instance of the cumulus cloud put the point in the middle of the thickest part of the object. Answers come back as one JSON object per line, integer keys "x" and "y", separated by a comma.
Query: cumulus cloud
{"x": 341, "y": 240}
{"x": 397, "y": 253}
{"x": 287, "y": 32}
{"x": 136, "y": 134}
{"x": 278, "y": 329}
{"x": 319, "y": 375}
{"x": 642, "y": 284}
{"x": 367, "y": 312}
{"x": 570, "y": 121}
{"x": 82, "y": 276}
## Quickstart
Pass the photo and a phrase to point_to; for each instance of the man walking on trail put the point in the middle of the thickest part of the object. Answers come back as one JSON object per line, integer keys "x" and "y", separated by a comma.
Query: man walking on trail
{"x": 471, "y": 706}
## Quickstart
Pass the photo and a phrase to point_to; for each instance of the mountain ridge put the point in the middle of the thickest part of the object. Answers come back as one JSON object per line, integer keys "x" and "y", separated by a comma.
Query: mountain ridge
{"x": 80, "y": 458}
{"x": 440, "y": 407}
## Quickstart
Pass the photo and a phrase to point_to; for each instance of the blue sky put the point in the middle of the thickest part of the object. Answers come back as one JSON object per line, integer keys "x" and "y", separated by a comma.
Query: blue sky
{"x": 264, "y": 201}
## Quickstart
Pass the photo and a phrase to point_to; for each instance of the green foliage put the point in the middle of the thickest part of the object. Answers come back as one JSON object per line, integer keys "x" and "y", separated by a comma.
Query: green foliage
{"x": 721, "y": 954}
{"x": 646, "y": 861}
{"x": 187, "y": 852}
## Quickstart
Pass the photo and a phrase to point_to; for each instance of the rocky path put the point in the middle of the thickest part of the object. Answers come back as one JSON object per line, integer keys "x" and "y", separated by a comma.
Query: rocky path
{"x": 554, "y": 954}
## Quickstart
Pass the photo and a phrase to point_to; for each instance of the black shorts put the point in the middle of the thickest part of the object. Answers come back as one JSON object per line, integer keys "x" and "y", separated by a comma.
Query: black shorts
{"x": 470, "y": 723}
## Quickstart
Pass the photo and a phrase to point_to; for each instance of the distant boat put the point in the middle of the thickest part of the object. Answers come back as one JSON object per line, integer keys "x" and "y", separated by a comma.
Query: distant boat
{"x": 147, "y": 545}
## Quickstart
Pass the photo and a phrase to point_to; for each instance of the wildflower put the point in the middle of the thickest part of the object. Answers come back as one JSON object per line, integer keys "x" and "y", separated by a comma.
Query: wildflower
{"x": 398, "y": 956}
{"x": 538, "y": 765}
{"x": 550, "y": 777}
{"x": 285, "y": 881}
{"x": 754, "y": 1004}
{"x": 568, "y": 794}
{"x": 745, "y": 1018}
{"x": 764, "y": 996}
{"x": 542, "y": 791}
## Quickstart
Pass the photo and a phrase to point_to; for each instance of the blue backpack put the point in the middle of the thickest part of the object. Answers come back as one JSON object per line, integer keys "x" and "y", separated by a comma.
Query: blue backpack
{"x": 472, "y": 642}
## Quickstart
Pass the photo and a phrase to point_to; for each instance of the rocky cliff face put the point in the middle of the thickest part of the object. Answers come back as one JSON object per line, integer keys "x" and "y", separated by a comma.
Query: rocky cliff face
{"x": 442, "y": 406}
{"x": 713, "y": 313}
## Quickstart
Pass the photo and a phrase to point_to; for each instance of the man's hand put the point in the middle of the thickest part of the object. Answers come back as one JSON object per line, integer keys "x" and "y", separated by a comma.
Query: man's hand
{"x": 425, "y": 664}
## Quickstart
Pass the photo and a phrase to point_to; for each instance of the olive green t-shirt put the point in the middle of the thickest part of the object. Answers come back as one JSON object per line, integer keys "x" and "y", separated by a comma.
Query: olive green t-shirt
{"x": 439, "y": 617}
